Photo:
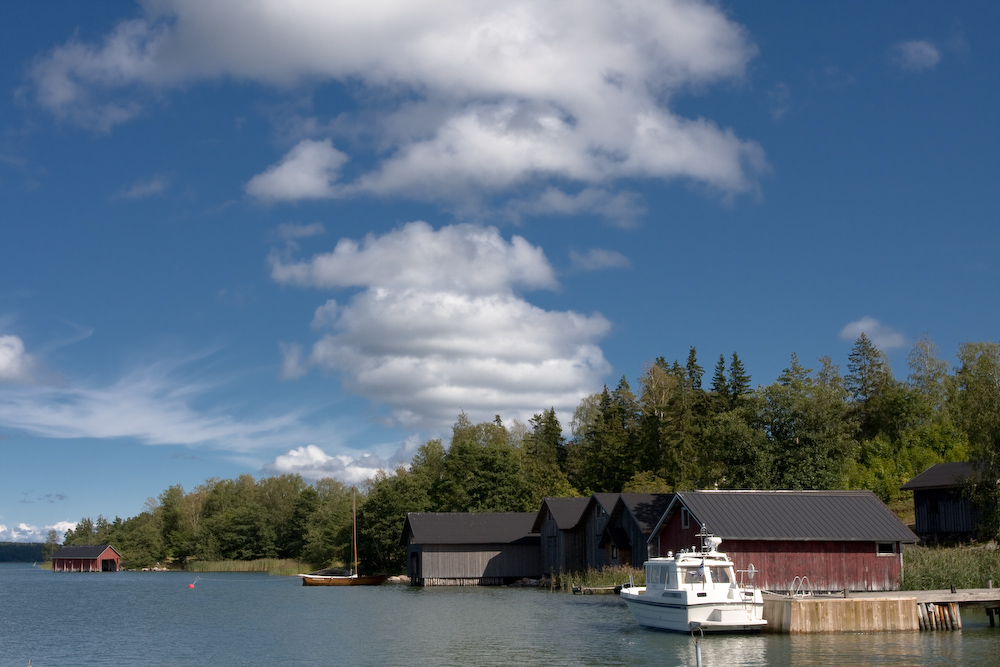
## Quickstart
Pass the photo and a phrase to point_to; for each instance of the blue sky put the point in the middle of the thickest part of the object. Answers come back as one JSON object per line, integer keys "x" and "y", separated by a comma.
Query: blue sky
{"x": 257, "y": 237}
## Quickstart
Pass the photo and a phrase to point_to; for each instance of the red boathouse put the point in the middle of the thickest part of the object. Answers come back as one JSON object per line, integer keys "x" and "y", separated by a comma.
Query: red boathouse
{"x": 836, "y": 540}
{"x": 87, "y": 558}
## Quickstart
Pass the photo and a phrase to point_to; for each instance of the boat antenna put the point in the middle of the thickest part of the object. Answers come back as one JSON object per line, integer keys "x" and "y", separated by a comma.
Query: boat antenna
{"x": 705, "y": 535}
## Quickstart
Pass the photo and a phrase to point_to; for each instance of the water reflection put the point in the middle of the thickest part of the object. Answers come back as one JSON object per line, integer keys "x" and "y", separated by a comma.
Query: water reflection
{"x": 146, "y": 619}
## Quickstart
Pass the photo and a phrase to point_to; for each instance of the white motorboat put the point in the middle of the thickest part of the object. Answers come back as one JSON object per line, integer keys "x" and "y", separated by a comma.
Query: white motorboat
{"x": 697, "y": 589}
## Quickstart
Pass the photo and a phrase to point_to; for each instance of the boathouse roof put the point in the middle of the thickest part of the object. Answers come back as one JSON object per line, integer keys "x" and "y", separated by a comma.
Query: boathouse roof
{"x": 567, "y": 512}
{"x": 468, "y": 527}
{"x": 606, "y": 500}
{"x": 941, "y": 476}
{"x": 646, "y": 508}
{"x": 837, "y": 516}
{"x": 84, "y": 551}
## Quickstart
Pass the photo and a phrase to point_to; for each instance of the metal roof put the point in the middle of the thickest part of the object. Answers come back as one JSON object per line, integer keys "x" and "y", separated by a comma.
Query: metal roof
{"x": 467, "y": 527}
{"x": 647, "y": 508}
{"x": 840, "y": 516}
{"x": 84, "y": 551}
{"x": 940, "y": 476}
{"x": 567, "y": 512}
{"x": 606, "y": 500}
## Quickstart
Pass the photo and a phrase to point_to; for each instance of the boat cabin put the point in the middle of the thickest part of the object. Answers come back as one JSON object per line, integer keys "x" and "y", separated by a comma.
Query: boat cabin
{"x": 667, "y": 573}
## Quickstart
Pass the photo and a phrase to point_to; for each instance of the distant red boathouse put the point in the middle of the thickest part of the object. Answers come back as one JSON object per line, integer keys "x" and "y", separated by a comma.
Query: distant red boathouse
{"x": 87, "y": 558}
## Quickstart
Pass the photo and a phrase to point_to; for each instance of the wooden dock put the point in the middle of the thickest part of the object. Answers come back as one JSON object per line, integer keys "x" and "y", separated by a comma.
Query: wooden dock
{"x": 884, "y": 611}
{"x": 597, "y": 590}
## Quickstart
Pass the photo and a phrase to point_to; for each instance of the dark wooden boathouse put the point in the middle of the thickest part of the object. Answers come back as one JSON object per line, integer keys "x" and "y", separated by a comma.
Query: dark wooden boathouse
{"x": 598, "y": 511}
{"x": 629, "y": 526}
{"x": 87, "y": 558}
{"x": 943, "y": 513}
{"x": 470, "y": 549}
{"x": 820, "y": 541}
{"x": 561, "y": 524}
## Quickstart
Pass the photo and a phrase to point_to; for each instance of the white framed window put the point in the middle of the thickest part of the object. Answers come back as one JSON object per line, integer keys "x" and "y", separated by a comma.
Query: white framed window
{"x": 685, "y": 518}
{"x": 885, "y": 548}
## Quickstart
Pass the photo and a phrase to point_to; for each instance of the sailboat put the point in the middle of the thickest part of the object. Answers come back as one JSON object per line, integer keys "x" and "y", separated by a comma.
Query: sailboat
{"x": 327, "y": 578}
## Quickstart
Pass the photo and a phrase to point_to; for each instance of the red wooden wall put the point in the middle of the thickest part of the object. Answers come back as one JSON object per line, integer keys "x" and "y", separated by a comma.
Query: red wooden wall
{"x": 829, "y": 566}
{"x": 85, "y": 565}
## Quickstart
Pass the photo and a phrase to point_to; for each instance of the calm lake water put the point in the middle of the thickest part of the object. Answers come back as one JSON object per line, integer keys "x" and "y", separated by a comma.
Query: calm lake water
{"x": 142, "y": 619}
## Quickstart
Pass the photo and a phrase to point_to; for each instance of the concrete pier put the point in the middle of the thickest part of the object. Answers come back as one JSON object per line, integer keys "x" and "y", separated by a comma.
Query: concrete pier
{"x": 802, "y": 615}
{"x": 886, "y": 611}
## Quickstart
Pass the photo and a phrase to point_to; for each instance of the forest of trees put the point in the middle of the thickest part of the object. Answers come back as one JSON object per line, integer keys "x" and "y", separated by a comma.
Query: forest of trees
{"x": 21, "y": 552}
{"x": 813, "y": 428}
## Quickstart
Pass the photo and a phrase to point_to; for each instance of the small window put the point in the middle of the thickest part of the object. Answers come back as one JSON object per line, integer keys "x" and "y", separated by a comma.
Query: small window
{"x": 886, "y": 549}
{"x": 720, "y": 575}
{"x": 685, "y": 518}
{"x": 932, "y": 506}
{"x": 691, "y": 575}
{"x": 614, "y": 553}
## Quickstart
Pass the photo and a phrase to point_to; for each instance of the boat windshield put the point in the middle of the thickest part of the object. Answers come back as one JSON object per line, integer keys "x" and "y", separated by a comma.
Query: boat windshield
{"x": 691, "y": 575}
{"x": 720, "y": 575}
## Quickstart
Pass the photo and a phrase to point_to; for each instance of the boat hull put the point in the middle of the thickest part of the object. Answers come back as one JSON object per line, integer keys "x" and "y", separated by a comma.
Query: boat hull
{"x": 652, "y": 612}
{"x": 335, "y": 580}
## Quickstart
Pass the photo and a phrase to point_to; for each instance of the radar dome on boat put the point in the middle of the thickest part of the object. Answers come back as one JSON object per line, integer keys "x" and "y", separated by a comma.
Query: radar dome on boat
{"x": 714, "y": 542}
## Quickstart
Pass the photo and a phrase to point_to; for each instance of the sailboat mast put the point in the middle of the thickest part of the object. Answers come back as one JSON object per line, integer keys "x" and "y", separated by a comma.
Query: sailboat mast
{"x": 354, "y": 511}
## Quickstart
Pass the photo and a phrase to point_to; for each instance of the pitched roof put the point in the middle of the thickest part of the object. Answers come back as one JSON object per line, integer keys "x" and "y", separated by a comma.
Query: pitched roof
{"x": 84, "y": 551}
{"x": 647, "y": 508}
{"x": 567, "y": 512}
{"x": 467, "y": 527}
{"x": 841, "y": 516}
{"x": 940, "y": 476}
{"x": 607, "y": 500}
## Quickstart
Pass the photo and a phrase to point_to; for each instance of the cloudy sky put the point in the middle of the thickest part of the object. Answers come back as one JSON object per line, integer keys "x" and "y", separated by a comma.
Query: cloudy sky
{"x": 260, "y": 236}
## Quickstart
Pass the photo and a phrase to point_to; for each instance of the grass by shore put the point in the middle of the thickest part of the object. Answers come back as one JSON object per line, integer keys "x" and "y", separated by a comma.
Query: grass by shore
{"x": 275, "y": 566}
{"x": 613, "y": 575}
{"x": 934, "y": 568}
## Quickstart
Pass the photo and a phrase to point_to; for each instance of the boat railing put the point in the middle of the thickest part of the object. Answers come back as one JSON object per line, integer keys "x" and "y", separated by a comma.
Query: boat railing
{"x": 801, "y": 586}
{"x": 746, "y": 577}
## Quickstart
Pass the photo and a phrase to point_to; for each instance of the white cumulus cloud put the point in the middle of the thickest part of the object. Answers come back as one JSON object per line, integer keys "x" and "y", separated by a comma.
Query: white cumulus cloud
{"x": 312, "y": 463}
{"x": 881, "y": 335}
{"x": 437, "y": 326}
{"x": 467, "y": 98}
{"x": 25, "y": 532}
{"x": 308, "y": 171}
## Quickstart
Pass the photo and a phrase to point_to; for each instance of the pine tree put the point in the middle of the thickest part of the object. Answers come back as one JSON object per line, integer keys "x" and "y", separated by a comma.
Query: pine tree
{"x": 694, "y": 371}
{"x": 720, "y": 386}
{"x": 739, "y": 381}
{"x": 871, "y": 386}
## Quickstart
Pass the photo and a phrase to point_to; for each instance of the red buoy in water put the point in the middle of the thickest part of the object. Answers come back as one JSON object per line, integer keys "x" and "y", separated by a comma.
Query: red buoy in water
{"x": 190, "y": 585}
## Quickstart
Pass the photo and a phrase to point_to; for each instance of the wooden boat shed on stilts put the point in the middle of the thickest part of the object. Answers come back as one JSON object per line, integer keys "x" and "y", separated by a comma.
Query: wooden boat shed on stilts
{"x": 87, "y": 558}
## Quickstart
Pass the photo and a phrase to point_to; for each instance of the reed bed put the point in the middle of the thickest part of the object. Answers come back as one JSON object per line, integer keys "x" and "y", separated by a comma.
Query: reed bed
{"x": 275, "y": 566}
{"x": 612, "y": 575}
{"x": 935, "y": 568}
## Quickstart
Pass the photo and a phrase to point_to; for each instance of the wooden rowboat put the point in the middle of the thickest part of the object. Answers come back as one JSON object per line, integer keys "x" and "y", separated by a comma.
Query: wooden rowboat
{"x": 343, "y": 580}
